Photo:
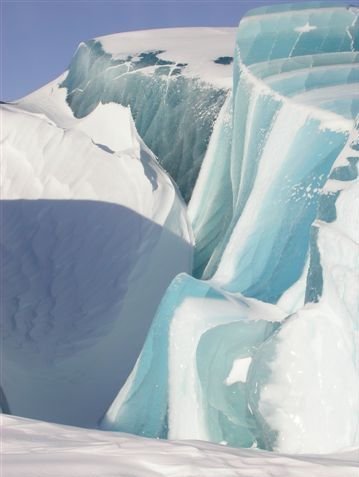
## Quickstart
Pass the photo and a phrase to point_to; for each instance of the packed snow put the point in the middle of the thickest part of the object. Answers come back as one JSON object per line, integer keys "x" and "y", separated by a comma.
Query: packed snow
{"x": 88, "y": 215}
{"x": 181, "y": 46}
{"x": 188, "y": 73}
{"x": 39, "y": 449}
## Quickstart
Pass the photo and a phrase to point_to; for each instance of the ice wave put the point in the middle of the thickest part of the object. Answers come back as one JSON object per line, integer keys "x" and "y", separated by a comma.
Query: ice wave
{"x": 276, "y": 244}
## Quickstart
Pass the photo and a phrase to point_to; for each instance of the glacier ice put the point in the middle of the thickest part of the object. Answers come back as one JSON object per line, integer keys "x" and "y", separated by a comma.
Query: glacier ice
{"x": 34, "y": 448}
{"x": 169, "y": 81}
{"x": 259, "y": 346}
{"x": 196, "y": 323}
{"x": 327, "y": 372}
{"x": 262, "y": 348}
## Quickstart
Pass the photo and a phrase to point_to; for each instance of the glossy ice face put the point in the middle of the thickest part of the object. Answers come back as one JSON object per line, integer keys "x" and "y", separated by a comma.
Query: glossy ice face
{"x": 263, "y": 353}
{"x": 173, "y": 83}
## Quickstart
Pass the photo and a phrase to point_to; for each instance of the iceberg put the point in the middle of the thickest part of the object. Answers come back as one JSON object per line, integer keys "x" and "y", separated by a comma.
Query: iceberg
{"x": 260, "y": 349}
{"x": 237, "y": 314}
{"x": 171, "y": 78}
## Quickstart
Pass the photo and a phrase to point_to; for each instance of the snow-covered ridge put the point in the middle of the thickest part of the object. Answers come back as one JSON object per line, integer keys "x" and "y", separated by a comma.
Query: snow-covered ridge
{"x": 185, "y": 48}
{"x": 171, "y": 78}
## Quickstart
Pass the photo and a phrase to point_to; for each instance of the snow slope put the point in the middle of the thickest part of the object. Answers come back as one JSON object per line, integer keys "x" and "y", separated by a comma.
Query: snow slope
{"x": 171, "y": 79}
{"x": 182, "y": 46}
{"x": 88, "y": 217}
{"x": 38, "y": 449}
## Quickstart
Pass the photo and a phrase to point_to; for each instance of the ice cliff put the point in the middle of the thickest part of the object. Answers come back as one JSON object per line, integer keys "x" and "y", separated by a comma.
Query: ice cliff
{"x": 264, "y": 351}
{"x": 258, "y": 346}
{"x": 168, "y": 80}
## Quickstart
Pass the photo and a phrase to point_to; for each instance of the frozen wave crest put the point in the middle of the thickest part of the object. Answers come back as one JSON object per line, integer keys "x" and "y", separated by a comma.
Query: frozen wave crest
{"x": 250, "y": 355}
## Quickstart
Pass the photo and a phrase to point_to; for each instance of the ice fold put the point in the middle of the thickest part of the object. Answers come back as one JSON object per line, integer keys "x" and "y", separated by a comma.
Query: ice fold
{"x": 170, "y": 80}
{"x": 274, "y": 213}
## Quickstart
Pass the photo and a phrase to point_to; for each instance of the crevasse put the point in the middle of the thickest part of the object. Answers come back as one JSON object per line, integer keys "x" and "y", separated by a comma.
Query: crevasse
{"x": 263, "y": 349}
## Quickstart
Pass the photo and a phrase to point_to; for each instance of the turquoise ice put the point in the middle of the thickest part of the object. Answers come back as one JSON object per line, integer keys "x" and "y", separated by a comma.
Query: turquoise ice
{"x": 174, "y": 113}
{"x": 261, "y": 348}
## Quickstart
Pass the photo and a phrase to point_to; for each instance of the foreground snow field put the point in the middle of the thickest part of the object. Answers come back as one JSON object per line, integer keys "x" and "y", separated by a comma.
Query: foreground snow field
{"x": 38, "y": 449}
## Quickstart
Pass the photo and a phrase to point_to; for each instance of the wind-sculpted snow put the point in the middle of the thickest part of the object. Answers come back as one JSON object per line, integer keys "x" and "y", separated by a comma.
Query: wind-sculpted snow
{"x": 171, "y": 79}
{"x": 34, "y": 448}
{"x": 264, "y": 351}
{"x": 87, "y": 216}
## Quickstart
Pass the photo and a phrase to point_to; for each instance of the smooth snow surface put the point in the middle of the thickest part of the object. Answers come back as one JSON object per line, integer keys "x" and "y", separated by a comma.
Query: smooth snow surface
{"x": 38, "y": 449}
{"x": 88, "y": 216}
{"x": 181, "y": 45}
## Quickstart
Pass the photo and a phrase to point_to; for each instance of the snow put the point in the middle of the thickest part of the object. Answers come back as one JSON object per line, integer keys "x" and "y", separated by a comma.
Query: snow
{"x": 50, "y": 100}
{"x": 88, "y": 217}
{"x": 99, "y": 125}
{"x": 239, "y": 371}
{"x": 38, "y": 449}
{"x": 324, "y": 374}
{"x": 181, "y": 45}
{"x": 188, "y": 88}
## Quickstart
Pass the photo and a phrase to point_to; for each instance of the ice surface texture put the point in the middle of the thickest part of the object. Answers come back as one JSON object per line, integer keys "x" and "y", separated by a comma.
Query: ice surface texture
{"x": 265, "y": 352}
{"x": 171, "y": 82}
